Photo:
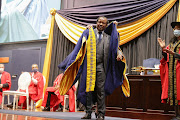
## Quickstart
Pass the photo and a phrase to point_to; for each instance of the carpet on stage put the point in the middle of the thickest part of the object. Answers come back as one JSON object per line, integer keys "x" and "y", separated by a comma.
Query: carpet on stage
{"x": 57, "y": 115}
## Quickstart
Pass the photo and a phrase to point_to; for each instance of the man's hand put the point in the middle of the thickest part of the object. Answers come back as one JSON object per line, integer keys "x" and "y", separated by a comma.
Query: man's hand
{"x": 56, "y": 87}
{"x": 1, "y": 85}
{"x": 119, "y": 57}
{"x": 168, "y": 51}
{"x": 115, "y": 22}
{"x": 161, "y": 42}
{"x": 89, "y": 26}
{"x": 34, "y": 81}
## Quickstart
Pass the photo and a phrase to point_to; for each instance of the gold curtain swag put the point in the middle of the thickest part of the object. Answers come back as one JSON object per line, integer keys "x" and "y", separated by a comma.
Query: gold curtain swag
{"x": 47, "y": 59}
{"x": 178, "y": 16}
{"x": 127, "y": 32}
{"x": 69, "y": 29}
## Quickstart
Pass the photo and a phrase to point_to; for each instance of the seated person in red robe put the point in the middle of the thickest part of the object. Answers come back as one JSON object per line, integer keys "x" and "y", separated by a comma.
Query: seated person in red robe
{"x": 5, "y": 81}
{"x": 35, "y": 88}
{"x": 52, "y": 97}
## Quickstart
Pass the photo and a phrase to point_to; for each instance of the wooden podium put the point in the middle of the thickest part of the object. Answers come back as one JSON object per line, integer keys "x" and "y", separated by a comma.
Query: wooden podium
{"x": 145, "y": 99}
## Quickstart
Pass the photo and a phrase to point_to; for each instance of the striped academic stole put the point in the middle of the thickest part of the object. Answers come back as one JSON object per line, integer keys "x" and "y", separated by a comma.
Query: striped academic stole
{"x": 172, "y": 75}
{"x": 91, "y": 61}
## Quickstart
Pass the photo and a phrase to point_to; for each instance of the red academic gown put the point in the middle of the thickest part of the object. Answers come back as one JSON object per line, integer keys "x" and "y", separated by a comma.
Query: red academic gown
{"x": 57, "y": 98}
{"x": 71, "y": 99}
{"x": 35, "y": 91}
{"x": 164, "y": 74}
{"x": 5, "y": 78}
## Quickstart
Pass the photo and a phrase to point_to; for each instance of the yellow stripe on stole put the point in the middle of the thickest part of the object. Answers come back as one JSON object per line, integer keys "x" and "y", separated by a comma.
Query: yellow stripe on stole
{"x": 91, "y": 61}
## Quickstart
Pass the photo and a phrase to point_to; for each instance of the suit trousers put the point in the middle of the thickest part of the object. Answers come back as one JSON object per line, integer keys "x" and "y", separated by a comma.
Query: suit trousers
{"x": 99, "y": 92}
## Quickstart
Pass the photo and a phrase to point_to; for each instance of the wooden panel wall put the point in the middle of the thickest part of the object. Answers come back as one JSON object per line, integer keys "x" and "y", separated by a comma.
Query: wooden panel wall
{"x": 145, "y": 95}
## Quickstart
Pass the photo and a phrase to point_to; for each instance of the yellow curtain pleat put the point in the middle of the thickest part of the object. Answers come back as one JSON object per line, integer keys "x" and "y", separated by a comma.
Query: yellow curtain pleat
{"x": 71, "y": 30}
{"x": 47, "y": 59}
{"x": 127, "y": 32}
{"x": 178, "y": 16}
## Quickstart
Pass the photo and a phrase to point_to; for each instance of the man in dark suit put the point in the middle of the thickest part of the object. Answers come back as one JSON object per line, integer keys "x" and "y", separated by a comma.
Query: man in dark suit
{"x": 102, "y": 50}
{"x": 101, "y": 65}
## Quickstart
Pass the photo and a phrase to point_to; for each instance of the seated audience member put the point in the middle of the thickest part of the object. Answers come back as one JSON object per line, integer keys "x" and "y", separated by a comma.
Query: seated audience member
{"x": 5, "y": 80}
{"x": 52, "y": 97}
{"x": 36, "y": 86}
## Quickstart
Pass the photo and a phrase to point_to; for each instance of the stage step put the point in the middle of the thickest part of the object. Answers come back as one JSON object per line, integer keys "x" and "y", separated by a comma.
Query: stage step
{"x": 139, "y": 114}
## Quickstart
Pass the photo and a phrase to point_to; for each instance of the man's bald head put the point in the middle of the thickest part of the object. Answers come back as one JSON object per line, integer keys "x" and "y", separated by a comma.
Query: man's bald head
{"x": 34, "y": 66}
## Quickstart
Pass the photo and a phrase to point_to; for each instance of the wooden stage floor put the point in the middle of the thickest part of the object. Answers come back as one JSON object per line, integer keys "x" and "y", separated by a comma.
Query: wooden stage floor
{"x": 117, "y": 114}
{"x": 4, "y": 116}
{"x": 38, "y": 114}
{"x": 22, "y": 117}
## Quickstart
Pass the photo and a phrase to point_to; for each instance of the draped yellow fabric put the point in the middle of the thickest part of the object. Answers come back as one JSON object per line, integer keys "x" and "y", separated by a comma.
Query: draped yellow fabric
{"x": 71, "y": 30}
{"x": 47, "y": 59}
{"x": 127, "y": 32}
{"x": 178, "y": 17}
{"x": 91, "y": 61}
{"x": 69, "y": 76}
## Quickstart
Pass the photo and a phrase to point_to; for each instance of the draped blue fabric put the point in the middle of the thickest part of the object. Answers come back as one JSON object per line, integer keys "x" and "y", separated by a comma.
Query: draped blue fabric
{"x": 123, "y": 11}
{"x": 115, "y": 68}
{"x": 114, "y": 77}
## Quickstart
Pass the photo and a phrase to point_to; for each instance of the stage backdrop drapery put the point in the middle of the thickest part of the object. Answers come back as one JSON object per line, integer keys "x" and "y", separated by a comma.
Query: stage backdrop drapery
{"x": 131, "y": 25}
{"x": 140, "y": 48}
{"x": 124, "y": 11}
{"x": 135, "y": 51}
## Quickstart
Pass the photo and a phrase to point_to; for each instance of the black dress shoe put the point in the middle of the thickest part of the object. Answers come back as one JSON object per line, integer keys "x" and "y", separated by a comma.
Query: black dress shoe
{"x": 96, "y": 115}
{"x": 100, "y": 117}
{"x": 87, "y": 116}
{"x": 46, "y": 109}
{"x": 59, "y": 109}
{"x": 10, "y": 105}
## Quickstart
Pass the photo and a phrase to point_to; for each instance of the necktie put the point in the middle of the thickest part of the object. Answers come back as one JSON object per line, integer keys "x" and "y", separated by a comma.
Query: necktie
{"x": 100, "y": 36}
